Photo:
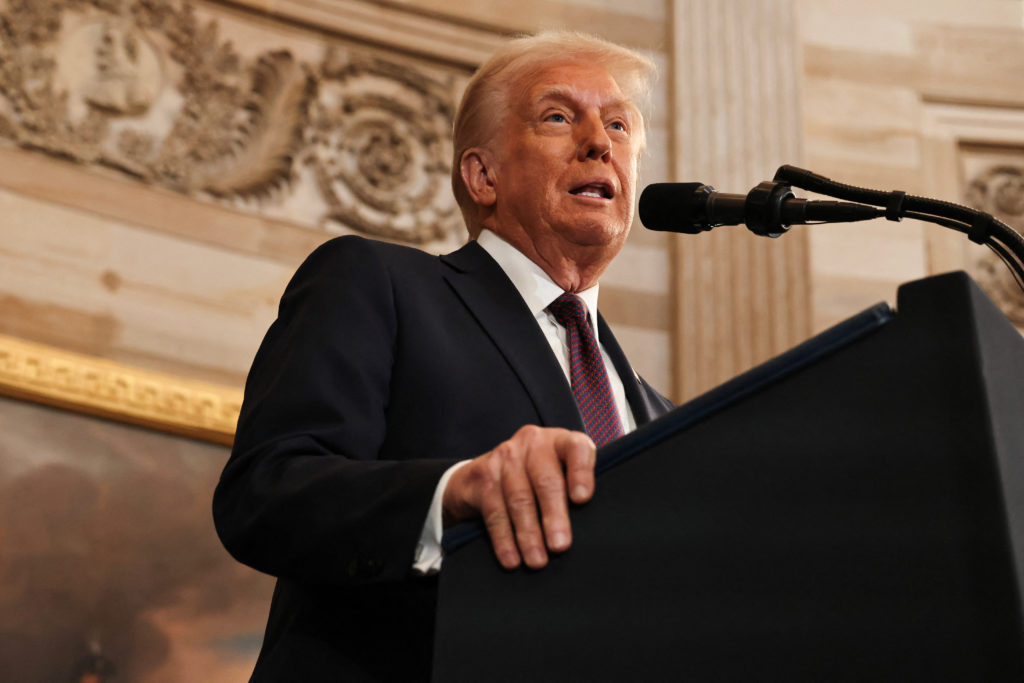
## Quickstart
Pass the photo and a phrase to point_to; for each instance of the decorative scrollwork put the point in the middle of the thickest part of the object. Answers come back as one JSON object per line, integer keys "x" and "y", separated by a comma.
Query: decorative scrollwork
{"x": 380, "y": 143}
{"x": 150, "y": 89}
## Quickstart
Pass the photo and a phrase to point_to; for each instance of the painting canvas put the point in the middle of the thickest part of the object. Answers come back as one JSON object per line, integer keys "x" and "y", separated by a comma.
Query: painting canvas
{"x": 110, "y": 568}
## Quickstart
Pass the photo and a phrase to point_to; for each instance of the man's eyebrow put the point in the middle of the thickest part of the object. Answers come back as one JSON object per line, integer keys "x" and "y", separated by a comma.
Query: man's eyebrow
{"x": 568, "y": 93}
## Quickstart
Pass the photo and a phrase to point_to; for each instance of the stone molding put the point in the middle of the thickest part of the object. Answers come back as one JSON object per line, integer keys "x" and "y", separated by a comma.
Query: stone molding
{"x": 95, "y": 386}
{"x": 435, "y": 36}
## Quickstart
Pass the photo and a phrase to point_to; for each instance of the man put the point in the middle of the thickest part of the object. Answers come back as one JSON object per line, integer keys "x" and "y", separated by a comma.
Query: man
{"x": 386, "y": 366}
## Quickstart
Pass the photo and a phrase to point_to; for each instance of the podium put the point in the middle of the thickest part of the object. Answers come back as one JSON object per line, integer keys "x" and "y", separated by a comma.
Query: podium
{"x": 852, "y": 510}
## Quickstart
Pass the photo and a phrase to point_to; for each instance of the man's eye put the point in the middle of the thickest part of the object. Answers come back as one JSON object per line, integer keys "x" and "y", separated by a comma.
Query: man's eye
{"x": 618, "y": 125}
{"x": 556, "y": 118}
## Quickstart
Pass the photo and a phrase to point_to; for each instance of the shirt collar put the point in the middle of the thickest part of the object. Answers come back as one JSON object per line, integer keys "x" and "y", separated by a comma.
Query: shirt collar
{"x": 534, "y": 285}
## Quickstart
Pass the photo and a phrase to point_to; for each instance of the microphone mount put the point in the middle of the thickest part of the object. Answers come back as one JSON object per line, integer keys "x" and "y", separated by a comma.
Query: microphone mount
{"x": 765, "y": 210}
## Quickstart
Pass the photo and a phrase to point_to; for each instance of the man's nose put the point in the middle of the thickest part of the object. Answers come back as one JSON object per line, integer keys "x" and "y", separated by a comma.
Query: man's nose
{"x": 592, "y": 140}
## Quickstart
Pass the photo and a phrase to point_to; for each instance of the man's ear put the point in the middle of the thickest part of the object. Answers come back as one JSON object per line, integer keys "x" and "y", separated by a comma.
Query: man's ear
{"x": 477, "y": 170}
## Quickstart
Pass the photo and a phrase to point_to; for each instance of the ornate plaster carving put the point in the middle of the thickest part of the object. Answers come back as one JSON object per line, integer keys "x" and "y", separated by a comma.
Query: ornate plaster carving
{"x": 100, "y": 387}
{"x": 152, "y": 90}
{"x": 379, "y": 144}
{"x": 999, "y": 190}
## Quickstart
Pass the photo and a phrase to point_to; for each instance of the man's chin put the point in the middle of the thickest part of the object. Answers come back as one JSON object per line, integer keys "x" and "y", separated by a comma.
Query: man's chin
{"x": 597, "y": 235}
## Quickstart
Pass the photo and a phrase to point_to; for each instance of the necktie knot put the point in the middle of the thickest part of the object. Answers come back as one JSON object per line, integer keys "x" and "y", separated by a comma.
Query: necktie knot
{"x": 569, "y": 309}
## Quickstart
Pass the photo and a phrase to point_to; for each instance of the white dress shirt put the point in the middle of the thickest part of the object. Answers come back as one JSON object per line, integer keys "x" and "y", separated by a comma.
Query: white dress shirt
{"x": 538, "y": 291}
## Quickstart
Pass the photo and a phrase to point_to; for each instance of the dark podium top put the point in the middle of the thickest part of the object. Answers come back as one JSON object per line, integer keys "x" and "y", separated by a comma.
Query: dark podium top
{"x": 852, "y": 510}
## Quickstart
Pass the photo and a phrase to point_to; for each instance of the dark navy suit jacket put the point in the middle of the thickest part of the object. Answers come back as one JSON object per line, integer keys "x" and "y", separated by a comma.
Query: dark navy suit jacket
{"x": 384, "y": 367}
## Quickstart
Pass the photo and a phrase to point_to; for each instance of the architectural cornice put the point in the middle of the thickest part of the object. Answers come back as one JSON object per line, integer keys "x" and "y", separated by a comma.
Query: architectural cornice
{"x": 96, "y": 386}
{"x": 435, "y": 36}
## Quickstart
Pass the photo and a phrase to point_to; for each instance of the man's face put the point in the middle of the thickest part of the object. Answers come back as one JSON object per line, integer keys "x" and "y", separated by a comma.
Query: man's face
{"x": 567, "y": 159}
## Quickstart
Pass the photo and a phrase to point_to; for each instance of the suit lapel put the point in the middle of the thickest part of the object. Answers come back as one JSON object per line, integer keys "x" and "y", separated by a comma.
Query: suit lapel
{"x": 493, "y": 300}
{"x": 635, "y": 395}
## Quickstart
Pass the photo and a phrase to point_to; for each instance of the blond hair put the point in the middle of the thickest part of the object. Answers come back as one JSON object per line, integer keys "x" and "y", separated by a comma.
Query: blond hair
{"x": 485, "y": 102}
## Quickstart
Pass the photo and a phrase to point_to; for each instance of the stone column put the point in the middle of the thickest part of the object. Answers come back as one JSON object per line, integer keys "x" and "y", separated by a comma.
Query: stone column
{"x": 739, "y": 299}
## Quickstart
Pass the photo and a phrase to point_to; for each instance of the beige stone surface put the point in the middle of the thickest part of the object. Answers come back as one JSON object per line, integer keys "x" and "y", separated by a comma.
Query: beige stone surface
{"x": 892, "y": 92}
{"x": 132, "y": 267}
{"x": 739, "y": 299}
{"x": 89, "y": 284}
{"x": 886, "y": 93}
{"x": 639, "y": 24}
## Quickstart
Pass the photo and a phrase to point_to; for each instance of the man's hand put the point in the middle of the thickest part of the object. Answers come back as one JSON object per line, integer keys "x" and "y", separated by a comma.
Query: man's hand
{"x": 519, "y": 488}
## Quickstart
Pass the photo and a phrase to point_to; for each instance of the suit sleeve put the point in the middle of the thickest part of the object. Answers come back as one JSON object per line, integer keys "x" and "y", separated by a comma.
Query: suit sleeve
{"x": 304, "y": 495}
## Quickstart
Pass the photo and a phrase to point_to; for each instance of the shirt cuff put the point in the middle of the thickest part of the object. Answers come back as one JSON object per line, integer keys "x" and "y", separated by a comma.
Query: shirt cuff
{"x": 428, "y": 551}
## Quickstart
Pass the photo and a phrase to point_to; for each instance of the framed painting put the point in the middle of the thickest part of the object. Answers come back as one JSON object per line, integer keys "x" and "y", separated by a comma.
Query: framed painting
{"x": 110, "y": 568}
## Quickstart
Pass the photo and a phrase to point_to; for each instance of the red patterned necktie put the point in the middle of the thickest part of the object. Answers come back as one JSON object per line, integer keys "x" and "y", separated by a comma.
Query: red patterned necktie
{"x": 590, "y": 383}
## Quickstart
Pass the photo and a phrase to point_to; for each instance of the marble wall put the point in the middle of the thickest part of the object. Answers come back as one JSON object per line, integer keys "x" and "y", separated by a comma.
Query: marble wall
{"x": 165, "y": 165}
{"x": 921, "y": 97}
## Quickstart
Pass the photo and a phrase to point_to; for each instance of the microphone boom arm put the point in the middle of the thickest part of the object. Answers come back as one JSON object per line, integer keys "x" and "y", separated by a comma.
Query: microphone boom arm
{"x": 980, "y": 227}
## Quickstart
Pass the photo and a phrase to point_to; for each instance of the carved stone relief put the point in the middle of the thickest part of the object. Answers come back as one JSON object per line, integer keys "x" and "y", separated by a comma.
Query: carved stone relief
{"x": 351, "y": 141}
{"x": 379, "y": 142}
{"x": 999, "y": 190}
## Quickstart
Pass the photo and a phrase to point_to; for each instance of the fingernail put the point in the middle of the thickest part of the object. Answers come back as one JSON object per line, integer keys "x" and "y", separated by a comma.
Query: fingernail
{"x": 535, "y": 558}
{"x": 579, "y": 492}
{"x": 559, "y": 540}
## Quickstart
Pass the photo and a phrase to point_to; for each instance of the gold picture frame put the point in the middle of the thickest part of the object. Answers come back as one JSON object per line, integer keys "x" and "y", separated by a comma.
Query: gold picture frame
{"x": 110, "y": 562}
{"x": 96, "y": 386}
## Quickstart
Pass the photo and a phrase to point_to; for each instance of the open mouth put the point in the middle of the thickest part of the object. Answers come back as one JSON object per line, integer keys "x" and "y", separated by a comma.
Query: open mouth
{"x": 597, "y": 190}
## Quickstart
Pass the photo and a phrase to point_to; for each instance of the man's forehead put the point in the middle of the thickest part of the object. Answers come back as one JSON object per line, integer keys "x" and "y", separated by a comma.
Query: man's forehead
{"x": 574, "y": 82}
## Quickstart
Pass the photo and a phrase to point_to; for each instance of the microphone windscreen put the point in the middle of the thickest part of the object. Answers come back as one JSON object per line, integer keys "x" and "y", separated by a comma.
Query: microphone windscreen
{"x": 675, "y": 207}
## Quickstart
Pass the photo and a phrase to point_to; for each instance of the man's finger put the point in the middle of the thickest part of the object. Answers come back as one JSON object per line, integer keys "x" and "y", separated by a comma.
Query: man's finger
{"x": 522, "y": 509}
{"x": 579, "y": 454}
{"x": 499, "y": 528}
{"x": 548, "y": 482}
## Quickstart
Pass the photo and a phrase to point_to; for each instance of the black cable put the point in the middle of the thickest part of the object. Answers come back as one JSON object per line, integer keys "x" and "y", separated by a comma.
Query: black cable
{"x": 980, "y": 227}
{"x": 1013, "y": 260}
{"x": 1015, "y": 268}
{"x": 940, "y": 220}
{"x": 812, "y": 182}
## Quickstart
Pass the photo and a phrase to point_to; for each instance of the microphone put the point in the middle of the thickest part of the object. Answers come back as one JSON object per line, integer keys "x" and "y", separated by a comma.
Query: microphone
{"x": 768, "y": 209}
